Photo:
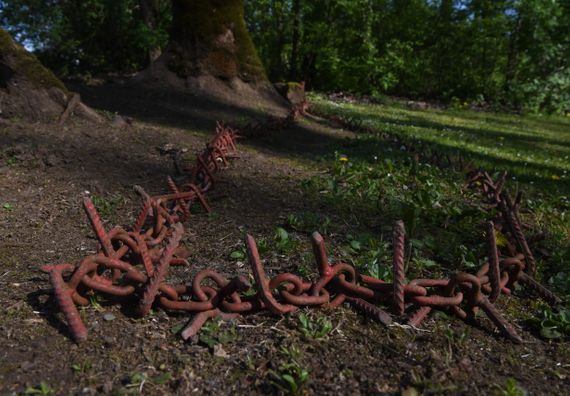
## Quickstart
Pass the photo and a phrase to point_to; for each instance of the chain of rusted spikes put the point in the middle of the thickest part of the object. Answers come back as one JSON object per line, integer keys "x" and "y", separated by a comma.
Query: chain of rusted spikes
{"x": 136, "y": 263}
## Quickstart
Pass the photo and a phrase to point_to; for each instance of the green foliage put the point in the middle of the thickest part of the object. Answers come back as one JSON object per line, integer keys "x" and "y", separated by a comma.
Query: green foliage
{"x": 561, "y": 282}
{"x": 512, "y": 388}
{"x": 291, "y": 376}
{"x": 87, "y": 37}
{"x": 309, "y": 222}
{"x": 82, "y": 367}
{"x": 318, "y": 328}
{"x": 374, "y": 178}
{"x": 107, "y": 206}
{"x": 486, "y": 53}
{"x": 238, "y": 254}
{"x": 263, "y": 246}
{"x": 137, "y": 381}
{"x": 553, "y": 323}
{"x": 550, "y": 94}
{"x": 370, "y": 255}
{"x": 283, "y": 241}
{"x": 513, "y": 53}
{"x": 42, "y": 389}
{"x": 214, "y": 333}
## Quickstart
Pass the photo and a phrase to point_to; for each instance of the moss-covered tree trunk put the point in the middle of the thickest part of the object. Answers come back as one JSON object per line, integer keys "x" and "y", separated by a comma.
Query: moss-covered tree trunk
{"x": 30, "y": 91}
{"x": 209, "y": 37}
{"x": 27, "y": 89}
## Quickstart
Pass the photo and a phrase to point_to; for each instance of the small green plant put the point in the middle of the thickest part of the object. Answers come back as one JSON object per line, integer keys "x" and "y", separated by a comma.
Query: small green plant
{"x": 291, "y": 377}
{"x": 240, "y": 253}
{"x": 42, "y": 389}
{"x": 553, "y": 323}
{"x": 561, "y": 281}
{"x": 94, "y": 302}
{"x": 369, "y": 255}
{"x": 107, "y": 206}
{"x": 512, "y": 388}
{"x": 137, "y": 381}
{"x": 457, "y": 337}
{"x": 305, "y": 268}
{"x": 283, "y": 241}
{"x": 81, "y": 367}
{"x": 315, "y": 329}
{"x": 8, "y": 206}
{"x": 213, "y": 333}
{"x": 309, "y": 222}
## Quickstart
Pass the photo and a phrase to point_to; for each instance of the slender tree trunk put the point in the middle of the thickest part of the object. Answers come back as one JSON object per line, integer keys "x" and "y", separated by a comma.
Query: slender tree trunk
{"x": 149, "y": 13}
{"x": 443, "y": 30}
{"x": 309, "y": 69}
{"x": 293, "y": 74}
{"x": 512, "y": 60}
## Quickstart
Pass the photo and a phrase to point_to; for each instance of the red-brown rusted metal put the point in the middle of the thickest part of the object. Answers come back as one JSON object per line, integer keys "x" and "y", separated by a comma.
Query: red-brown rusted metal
{"x": 398, "y": 267}
{"x": 136, "y": 263}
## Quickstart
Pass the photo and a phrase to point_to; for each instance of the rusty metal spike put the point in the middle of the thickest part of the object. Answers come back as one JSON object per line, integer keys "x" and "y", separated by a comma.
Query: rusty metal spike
{"x": 494, "y": 271}
{"x": 370, "y": 310}
{"x": 151, "y": 289}
{"x": 398, "y": 268}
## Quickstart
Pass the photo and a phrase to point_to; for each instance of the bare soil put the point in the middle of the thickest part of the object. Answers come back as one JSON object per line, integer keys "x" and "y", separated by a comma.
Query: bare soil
{"x": 45, "y": 170}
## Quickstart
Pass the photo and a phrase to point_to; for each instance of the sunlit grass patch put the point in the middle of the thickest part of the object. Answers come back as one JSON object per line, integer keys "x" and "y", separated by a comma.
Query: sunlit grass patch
{"x": 376, "y": 180}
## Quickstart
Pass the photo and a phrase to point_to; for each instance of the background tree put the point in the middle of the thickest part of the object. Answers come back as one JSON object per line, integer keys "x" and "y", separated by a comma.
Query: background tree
{"x": 89, "y": 36}
{"x": 209, "y": 37}
{"x": 513, "y": 53}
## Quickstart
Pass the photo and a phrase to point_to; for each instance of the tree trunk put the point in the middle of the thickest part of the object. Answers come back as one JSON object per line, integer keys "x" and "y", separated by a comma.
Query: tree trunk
{"x": 209, "y": 37}
{"x": 295, "y": 40}
{"x": 149, "y": 13}
{"x": 27, "y": 89}
{"x": 30, "y": 91}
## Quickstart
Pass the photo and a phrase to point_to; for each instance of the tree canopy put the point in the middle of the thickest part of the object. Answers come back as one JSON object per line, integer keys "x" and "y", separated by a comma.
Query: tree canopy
{"x": 513, "y": 53}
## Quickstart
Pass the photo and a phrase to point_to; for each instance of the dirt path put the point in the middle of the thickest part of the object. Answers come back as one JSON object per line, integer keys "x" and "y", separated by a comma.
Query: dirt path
{"x": 46, "y": 170}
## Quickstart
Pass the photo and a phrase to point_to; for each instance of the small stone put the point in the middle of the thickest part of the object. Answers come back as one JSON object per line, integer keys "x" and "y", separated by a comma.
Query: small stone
{"x": 219, "y": 351}
{"x": 109, "y": 316}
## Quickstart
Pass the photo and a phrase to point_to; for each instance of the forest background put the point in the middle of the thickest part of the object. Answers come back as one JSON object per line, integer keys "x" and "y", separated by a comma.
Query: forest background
{"x": 507, "y": 54}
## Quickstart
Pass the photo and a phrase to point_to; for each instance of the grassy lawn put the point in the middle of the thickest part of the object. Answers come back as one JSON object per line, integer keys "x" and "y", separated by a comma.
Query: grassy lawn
{"x": 373, "y": 182}
{"x": 533, "y": 149}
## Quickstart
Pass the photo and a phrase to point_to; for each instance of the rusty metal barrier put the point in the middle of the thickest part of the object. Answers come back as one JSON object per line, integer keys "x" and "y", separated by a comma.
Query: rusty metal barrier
{"x": 136, "y": 263}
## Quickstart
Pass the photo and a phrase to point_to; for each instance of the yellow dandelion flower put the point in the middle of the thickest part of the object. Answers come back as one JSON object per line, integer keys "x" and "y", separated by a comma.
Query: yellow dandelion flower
{"x": 343, "y": 158}
{"x": 555, "y": 177}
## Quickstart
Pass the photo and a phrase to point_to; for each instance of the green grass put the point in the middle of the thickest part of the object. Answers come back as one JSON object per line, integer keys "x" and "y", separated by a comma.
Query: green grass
{"x": 531, "y": 148}
{"x": 373, "y": 181}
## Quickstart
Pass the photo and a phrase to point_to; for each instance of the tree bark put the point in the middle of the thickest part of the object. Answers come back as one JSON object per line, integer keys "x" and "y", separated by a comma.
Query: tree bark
{"x": 293, "y": 74}
{"x": 209, "y": 37}
{"x": 27, "y": 89}
{"x": 30, "y": 91}
{"x": 149, "y": 12}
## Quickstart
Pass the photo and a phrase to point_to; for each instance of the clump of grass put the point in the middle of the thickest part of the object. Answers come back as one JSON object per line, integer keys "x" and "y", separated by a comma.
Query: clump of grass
{"x": 107, "y": 206}
{"x": 314, "y": 328}
{"x": 291, "y": 376}
{"x": 552, "y": 323}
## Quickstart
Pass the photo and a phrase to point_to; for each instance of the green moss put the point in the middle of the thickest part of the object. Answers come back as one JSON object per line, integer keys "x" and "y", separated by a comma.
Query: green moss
{"x": 204, "y": 21}
{"x": 27, "y": 64}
